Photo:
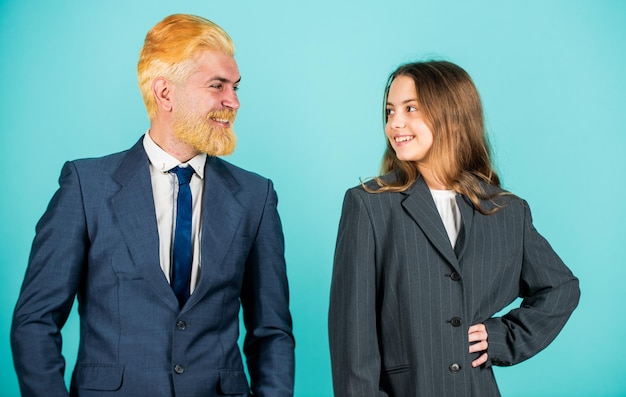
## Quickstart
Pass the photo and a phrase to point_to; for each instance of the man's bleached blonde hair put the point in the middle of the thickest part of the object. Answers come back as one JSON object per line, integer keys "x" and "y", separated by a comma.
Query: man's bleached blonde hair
{"x": 170, "y": 47}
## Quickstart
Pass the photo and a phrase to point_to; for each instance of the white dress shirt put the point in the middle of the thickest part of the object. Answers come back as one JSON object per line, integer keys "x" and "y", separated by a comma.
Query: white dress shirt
{"x": 165, "y": 191}
{"x": 445, "y": 200}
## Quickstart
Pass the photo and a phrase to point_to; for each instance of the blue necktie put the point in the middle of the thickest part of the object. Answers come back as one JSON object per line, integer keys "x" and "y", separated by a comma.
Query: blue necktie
{"x": 181, "y": 266}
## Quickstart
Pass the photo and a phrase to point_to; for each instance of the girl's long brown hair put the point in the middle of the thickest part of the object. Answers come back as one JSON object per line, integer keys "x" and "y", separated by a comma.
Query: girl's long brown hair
{"x": 460, "y": 154}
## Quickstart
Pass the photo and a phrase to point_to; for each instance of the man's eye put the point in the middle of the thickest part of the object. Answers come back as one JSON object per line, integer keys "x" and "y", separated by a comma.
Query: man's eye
{"x": 236, "y": 88}
{"x": 216, "y": 86}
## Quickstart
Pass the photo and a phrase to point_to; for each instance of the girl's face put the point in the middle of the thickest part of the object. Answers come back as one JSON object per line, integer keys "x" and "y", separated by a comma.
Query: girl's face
{"x": 407, "y": 131}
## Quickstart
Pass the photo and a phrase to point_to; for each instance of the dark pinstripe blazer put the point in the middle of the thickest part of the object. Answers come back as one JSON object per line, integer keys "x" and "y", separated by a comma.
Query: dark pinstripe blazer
{"x": 402, "y": 299}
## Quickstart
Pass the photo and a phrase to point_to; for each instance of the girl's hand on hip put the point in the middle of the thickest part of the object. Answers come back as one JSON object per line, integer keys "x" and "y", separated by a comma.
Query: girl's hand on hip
{"x": 477, "y": 336}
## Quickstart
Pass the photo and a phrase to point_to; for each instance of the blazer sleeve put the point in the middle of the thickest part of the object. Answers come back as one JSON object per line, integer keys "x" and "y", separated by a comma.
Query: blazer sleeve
{"x": 352, "y": 320}
{"x": 269, "y": 343}
{"x": 52, "y": 278}
{"x": 549, "y": 292}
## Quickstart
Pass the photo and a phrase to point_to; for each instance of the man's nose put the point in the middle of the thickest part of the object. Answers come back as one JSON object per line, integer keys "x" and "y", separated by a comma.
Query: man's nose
{"x": 230, "y": 100}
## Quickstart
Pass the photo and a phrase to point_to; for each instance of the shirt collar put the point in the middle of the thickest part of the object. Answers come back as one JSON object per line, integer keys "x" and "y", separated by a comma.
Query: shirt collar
{"x": 163, "y": 161}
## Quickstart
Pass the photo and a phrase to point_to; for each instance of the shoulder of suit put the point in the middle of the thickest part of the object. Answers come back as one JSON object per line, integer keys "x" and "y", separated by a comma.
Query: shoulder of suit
{"x": 372, "y": 184}
{"x": 500, "y": 196}
{"x": 107, "y": 162}
{"x": 113, "y": 158}
{"x": 237, "y": 172}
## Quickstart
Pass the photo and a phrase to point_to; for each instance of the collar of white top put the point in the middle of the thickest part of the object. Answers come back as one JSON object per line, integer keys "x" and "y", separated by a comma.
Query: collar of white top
{"x": 443, "y": 193}
{"x": 163, "y": 161}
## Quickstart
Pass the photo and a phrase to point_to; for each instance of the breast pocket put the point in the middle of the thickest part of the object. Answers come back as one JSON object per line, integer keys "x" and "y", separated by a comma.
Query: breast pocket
{"x": 123, "y": 266}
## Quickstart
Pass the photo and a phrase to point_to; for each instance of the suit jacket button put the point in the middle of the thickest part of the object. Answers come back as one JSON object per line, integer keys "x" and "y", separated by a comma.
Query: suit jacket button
{"x": 179, "y": 369}
{"x": 456, "y": 321}
{"x": 181, "y": 325}
{"x": 455, "y": 276}
{"x": 454, "y": 368}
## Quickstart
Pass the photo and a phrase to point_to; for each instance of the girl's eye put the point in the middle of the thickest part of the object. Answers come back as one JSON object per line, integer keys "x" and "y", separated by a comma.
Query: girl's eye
{"x": 389, "y": 112}
{"x": 411, "y": 109}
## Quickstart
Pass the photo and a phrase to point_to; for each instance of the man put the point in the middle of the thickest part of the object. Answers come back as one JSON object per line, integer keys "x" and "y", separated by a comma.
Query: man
{"x": 159, "y": 263}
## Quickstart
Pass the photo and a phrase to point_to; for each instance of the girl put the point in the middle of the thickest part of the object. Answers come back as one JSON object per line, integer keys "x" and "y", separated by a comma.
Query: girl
{"x": 427, "y": 254}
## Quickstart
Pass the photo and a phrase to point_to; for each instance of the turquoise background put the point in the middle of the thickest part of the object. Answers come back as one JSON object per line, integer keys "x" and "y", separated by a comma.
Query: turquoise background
{"x": 551, "y": 75}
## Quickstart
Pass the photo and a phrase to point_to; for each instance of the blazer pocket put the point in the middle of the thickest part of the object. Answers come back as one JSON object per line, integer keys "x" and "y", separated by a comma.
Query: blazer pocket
{"x": 233, "y": 381}
{"x": 396, "y": 370}
{"x": 94, "y": 376}
{"x": 123, "y": 266}
{"x": 396, "y": 381}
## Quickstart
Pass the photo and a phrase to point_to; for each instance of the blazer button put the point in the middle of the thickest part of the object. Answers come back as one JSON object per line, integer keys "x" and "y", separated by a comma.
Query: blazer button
{"x": 179, "y": 369}
{"x": 456, "y": 321}
{"x": 454, "y": 368}
{"x": 455, "y": 276}
{"x": 181, "y": 325}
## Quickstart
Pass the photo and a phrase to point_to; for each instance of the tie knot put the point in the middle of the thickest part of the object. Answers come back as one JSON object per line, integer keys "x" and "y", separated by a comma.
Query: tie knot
{"x": 184, "y": 174}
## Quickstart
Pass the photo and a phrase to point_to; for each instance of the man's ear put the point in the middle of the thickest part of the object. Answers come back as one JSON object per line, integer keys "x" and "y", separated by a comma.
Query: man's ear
{"x": 161, "y": 89}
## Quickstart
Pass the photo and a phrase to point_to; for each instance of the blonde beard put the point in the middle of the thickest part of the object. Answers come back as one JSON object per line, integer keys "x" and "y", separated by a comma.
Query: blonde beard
{"x": 202, "y": 135}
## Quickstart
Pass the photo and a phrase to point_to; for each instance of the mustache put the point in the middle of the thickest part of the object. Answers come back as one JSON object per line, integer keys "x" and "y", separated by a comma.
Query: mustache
{"x": 223, "y": 114}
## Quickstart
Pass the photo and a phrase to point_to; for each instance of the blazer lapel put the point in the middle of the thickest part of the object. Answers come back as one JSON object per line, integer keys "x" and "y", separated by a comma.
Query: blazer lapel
{"x": 133, "y": 207}
{"x": 221, "y": 214}
{"x": 420, "y": 205}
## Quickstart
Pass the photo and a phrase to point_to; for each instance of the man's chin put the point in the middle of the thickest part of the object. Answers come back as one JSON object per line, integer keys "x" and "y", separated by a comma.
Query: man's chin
{"x": 220, "y": 153}
{"x": 211, "y": 141}
{"x": 224, "y": 147}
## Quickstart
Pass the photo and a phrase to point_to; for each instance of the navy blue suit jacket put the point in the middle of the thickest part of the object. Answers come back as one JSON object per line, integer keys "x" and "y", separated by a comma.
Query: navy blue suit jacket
{"x": 98, "y": 241}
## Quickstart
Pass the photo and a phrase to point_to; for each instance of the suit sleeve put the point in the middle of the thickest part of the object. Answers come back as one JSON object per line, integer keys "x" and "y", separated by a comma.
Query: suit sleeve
{"x": 50, "y": 285}
{"x": 269, "y": 342}
{"x": 549, "y": 292}
{"x": 352, "y": 320}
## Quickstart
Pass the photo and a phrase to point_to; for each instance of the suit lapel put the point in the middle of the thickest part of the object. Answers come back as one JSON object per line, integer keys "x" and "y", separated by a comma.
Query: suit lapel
{"x": 221, "y": 214}
{"x": 133, "y": 207}
{"x": 420, "y": 205}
